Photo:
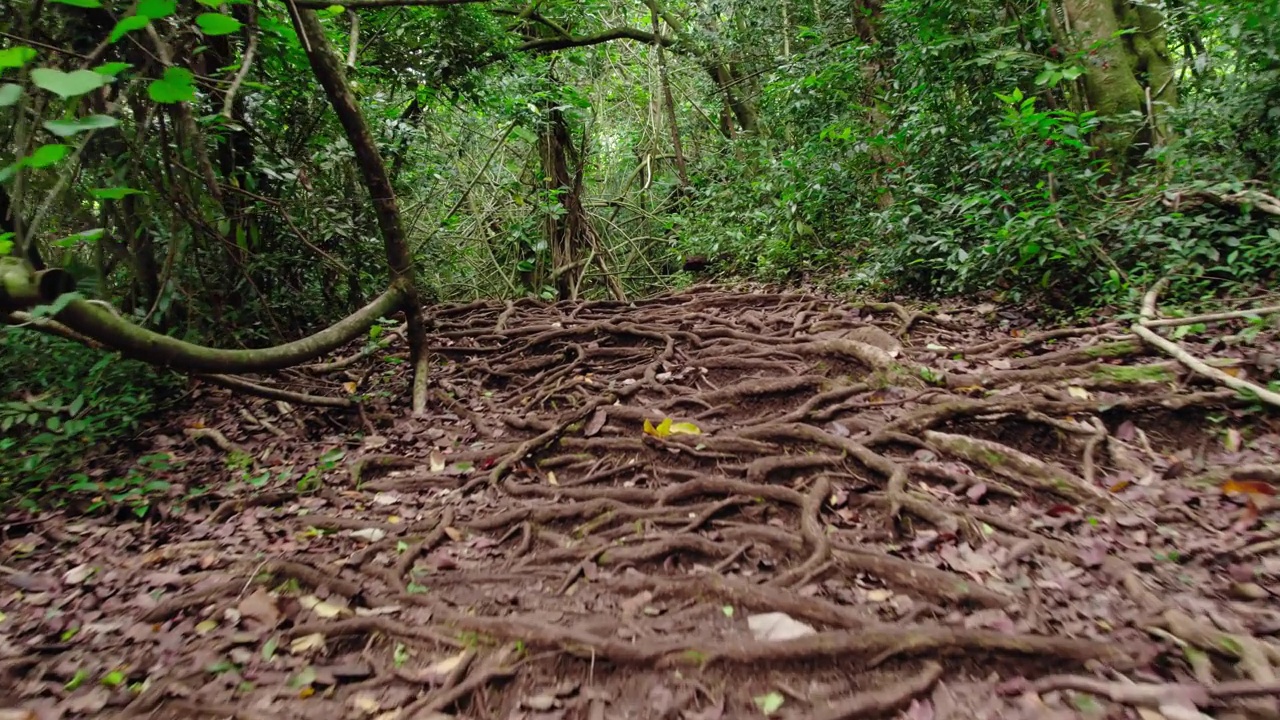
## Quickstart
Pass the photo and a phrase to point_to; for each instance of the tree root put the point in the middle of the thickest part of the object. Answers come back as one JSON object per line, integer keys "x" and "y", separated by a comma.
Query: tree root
{"x": 1018, "y": 467}
{"x": 873, "y": 645}
{"x": 875, "y": 703}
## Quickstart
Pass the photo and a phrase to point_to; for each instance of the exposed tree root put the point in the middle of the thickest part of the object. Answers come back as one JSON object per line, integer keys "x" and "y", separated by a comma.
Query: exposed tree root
{"x": 1005, "y": 498}
{"x": 876, "y": 703}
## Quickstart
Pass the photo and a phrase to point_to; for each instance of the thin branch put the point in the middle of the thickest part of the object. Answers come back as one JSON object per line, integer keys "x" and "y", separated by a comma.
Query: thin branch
{"x": 604, "y": 36}
{"x": 245, "y": 64}
{"x": 236, "y": 383}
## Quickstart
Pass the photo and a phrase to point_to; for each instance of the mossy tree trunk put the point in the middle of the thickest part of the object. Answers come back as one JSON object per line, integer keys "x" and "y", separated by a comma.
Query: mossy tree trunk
{"x": 1129, "y": 74}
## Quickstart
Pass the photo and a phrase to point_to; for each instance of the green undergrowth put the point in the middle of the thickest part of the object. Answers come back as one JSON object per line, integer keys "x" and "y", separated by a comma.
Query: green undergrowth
{"x": 61, "y": 405}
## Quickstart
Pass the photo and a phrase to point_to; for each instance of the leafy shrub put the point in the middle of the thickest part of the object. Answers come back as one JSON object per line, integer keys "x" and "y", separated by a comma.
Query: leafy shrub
{"x": 60, "y": 402}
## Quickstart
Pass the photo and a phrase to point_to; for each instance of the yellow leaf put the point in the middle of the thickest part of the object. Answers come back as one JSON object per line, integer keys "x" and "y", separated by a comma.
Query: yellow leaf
{"x": 1232, "y": 371}
{"x": 551, "y": 479}
{"x": 1078, "y": 392}
{"x": 306, "y": 643}
{"x": 350, "y": 387}
{"x": 648, "y": 428}
{"x": 454, "y": 533}
{"x": 685, "y": 428}
{"x": 448, "y": 665}
{"x": 393, "y": 519}
{"x": 306, "y": 692}
{"x": 321, "y": 607}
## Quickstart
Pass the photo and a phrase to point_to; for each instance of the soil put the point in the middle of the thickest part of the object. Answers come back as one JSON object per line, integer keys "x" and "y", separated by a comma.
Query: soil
{"x": 855, "y": 511}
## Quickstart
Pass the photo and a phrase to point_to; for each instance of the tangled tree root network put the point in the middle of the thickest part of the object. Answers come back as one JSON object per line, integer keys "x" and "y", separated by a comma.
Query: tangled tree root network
{"x": 704, "y": 505}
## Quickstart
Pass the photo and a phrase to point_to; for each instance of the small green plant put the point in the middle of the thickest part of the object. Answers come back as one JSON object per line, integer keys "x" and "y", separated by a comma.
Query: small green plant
{"x": 55, "y": 415}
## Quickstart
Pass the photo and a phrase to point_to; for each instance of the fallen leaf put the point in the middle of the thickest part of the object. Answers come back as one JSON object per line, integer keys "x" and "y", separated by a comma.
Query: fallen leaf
{"x": 322, "y": 608}
{"x": 454, "y": 533}
{"x": 662, "y": 430}
{"x": 1248, "y": 487}
{"x": 437, "y": 461}
{"x": 1127, "y": 431}
{"x": 364, "y": 704}
{"x": 78, "y": 574}
{"x": 551, "y": 478}
{"x": 685, "y": 428}
{"x": 350, "y": 387}
{"x": 777, "y": 626}
{"x": 595, "y": 423}
{"x": 879, "y": 595}
{"x": 542, "y": 702}
{"x": 383, "y": 498}
{"x": 369, "y": 534}
{"x": 769, "y": 703}
{"x": 1233, "y": 441}
{"x": 442, "y": 668}
{"x": 260, "y": 606}
{"x": 1078, "y": 392}
{"x": 306, "y": 643}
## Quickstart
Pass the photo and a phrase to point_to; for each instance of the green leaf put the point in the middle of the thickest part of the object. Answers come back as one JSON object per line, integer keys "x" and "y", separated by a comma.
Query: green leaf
{"x": 128, "y": 25}
{"x": 67, "y": 85}
{"x": 1072, "y": 73}
{"x": 16, "y": 56}
{"x": 113, "y": 193}
{"x": 85, "y": 236}
{"x": 46, "y": 155}
{"x": 770, "y": 703}
{"x": 10, "y": 94}
{"x": 156, "y": 9}
{"x": 81, "y": 3}
{"x": 1046, "y": 76}
{"x": 217, "y": 23}
{"x": 174, "y": 87}
{"x": 112, "y": 69}
{"x": 67, "y": 128}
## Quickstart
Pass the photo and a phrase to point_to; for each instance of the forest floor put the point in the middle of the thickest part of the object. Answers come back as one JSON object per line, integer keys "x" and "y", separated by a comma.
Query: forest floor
{"x": 855, "y": 511}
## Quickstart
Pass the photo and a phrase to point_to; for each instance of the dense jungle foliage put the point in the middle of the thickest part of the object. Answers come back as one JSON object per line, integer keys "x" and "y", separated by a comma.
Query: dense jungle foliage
{"x": 183, "y": 162}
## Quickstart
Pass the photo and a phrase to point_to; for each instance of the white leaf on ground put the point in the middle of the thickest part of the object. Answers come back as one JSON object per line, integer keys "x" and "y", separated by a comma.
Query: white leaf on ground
{"x": 777, "y": 626}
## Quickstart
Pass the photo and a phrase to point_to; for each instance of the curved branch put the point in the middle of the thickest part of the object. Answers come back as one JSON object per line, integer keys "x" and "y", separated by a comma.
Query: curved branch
{"x": 604, "y": 36}
{"x": 97, "y": 324}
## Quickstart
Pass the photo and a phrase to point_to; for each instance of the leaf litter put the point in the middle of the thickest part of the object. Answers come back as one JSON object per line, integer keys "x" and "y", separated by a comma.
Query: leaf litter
{"x": 704, "y": 505}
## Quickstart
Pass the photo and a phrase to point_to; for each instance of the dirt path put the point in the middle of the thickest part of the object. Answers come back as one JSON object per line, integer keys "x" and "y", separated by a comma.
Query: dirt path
{"x": 856, "y": 511}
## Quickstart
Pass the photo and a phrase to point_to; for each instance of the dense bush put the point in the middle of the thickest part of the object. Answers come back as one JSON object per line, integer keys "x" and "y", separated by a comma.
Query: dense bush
{"x": 62, "y": 403}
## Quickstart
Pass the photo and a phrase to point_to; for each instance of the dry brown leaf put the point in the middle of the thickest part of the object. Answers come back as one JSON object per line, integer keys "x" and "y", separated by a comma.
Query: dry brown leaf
{"x": 260, "y": 606}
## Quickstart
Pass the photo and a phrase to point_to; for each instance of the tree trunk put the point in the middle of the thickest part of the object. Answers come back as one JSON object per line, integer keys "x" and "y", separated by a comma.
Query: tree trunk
{"x": 1130, "y": 74}
{"x": 329, "y": 71}
{"x": 563, "y": 230}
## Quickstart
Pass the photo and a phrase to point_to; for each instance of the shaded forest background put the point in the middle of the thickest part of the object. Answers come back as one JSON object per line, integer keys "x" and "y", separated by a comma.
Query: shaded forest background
{"x": 184, "y": 164}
